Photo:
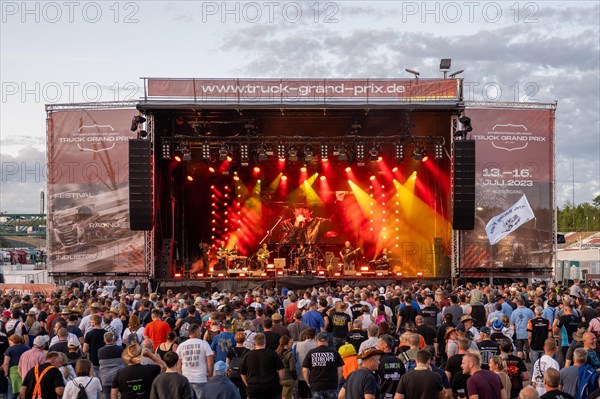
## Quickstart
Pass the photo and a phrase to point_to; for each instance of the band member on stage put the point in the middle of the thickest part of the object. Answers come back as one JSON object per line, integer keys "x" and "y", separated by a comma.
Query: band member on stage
{"x": 347, "y": 255}
{"x": 235, "y": 251}
{"x": 302, "y": 259}
{"x": 384, "y": 260}
{"x": 222, "y": 254}
{"x": 303, "y": 227}
{"x": 262, "y": 256}
{"x": 204, "y": 251}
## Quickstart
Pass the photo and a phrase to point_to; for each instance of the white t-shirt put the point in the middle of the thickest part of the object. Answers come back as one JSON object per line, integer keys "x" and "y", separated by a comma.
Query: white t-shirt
{"x": 93, "y": 389}
{"x": 193, "y": 354}
{"x": 539, "y": 368}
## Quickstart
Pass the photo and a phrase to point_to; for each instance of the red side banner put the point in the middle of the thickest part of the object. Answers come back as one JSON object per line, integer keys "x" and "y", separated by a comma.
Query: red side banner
{"x": 29, "y": 289}
{"x": 88, "y": 193}
{"x": 514, "y": 156}
{"x": 308, "y": 90}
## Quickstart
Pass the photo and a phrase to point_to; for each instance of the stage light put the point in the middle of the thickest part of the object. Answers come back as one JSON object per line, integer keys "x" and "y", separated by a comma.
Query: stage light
{"x": 223, "y": 153}
{"x": 136, "y": 121}
{"x": 190, "y": 178}
{"x": 418, "y": 153}
{"x": 206, "y": 151}
{"x": 177, "y": 275}
{"x": 256, "y": 169}
{"x": 187, "y": 153}
{"x": 309, "y": 155}
{"x": 166, "y": 150}
{"x": 372, "y": 178}
{"x": 199, "y": 274}
{"x": 284, "y": 177}
{"x": 262, "y": 154}
{"x": 395, "y": 169}
{"x": 439, "y": 150}
{"x": 466, "y": 128}
{"x": 324, "y": 152}
{"x": 293, "y": 154}
{"x": 348, "y": 169}
{"x": 425, "y": 158}
{"x": 419, "y": 274}
{"x": 374, "y": 154}
{"x": 414, "y": 72}
{"x": 360, "y": 152}
{"x": 142, "y": 134}
{"x": 178, "y": 157}
{"x": 244, "y": 154}
{"x": 399, "y": 152}
{"x": 281, "y": 151}
{"x": 322, "y": 178}
{"x": 303, "y": 169}
{"x": 236, "y": 178}
{"x": 211, "y": 169}
{"x": 342, "y": 153}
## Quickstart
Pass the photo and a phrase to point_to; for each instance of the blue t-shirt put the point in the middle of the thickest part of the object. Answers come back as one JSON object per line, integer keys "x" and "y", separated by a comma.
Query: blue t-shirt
{"x": 314, "y": 320}
{"x": 15, "y": 353}
{"x": 520, "y": 316}
{"x": 221, "y": 344}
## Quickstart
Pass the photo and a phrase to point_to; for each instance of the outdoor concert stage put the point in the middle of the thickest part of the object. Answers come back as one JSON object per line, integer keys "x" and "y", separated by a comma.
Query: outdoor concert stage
{"x": 210, "y": 171}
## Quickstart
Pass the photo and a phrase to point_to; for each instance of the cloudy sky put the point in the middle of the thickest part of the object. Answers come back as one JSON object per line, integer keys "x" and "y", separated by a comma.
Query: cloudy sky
{"x": 59, "y": 52}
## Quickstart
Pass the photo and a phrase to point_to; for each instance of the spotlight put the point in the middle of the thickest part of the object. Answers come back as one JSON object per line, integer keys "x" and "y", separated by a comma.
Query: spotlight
{"x": 211, "y": 169}
{"x": 281, "y": 152}
{"x": 322, "y": 178}
{"x": 360, "y": 152}
{"x": 166, "y": 150}
{"x": 293, "y": 154}
{"x": 206, "y": 151}
{"x": 284, "y": 177}
{"x": 136, "y": 121}
{"x": 142, "y": 134}
{"x": 303, "y": 169}
{"x": 348, "y": 169}
{"x": 372, "y": 178}
{"x": 418, "y": 153}
{"x": 187, "y": 154}
{"x": 256, "y": 169}
{"x": 244, "y": 154}
{"x": 262, "y": 153}
{"x": 190, "y": 178}
{"x": 466, "y": 128}
{"x": 309, "y": 155}
{"x": 399, "y": 152}
{"x": 439, "y": 150}
{"x": 223, "y": 153}
{"x": 178, "y": 156}
{"x": 445, "y": 63}
{"x": 324, "y": 152}
{"x": 374, "y": 154}
{"x": 414, "y": 72}
{"x": 342, "y": 153}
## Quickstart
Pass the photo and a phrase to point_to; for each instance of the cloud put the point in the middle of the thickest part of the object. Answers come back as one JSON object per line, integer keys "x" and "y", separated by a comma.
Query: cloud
{"x": 22, "y": 178}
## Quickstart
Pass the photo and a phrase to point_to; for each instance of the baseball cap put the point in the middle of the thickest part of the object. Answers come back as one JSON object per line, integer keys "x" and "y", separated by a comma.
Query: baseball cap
{"x": 485, "y": 330}
{"x": 220, "y": 367}
{"x": 322, "y": 336}
{"x": 73, "y": 343}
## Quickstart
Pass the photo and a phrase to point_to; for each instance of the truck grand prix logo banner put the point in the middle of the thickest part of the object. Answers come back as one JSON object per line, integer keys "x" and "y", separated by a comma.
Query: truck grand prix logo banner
{"x": 88, "y": 193}
{"x": 514, "y": 158}
{"x": 305, "y": 90}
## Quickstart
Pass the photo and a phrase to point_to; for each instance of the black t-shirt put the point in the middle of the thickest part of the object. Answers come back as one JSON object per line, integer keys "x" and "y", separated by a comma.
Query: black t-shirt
{"x": 408, "y": 313}
{"x": 567, "y": 324}
{"x": 391, "y": 369}
{"x": 260, "y": 367}
{"x": 272, "y": 340}
{"x": 539, "y": 328}
{"x": 339, "y": 324}
{"x": 323, "y": 363}
{"x": 95, "y": 339}
{"x": 420, "y": 384}
{"x": 428, "y": 334}
{"x": 497, "y": 337}
{"x": 429, "y": 314}
{"x": 51, "y": 380}
{"x": 356, "y": 310}
{"x": 135, "y": 382}
{"x": 515, "y": 367}
{"x": 356, "y": 337}
{"x": 441, "y": 337}
{"x": 556, "y": 394}
{"x": 360, "y": 382}
{"x": 75, "y": 330}
{"x": 487, "y": 349}
{"x": 457, "y": 379}
{"x": 60, "y": 346}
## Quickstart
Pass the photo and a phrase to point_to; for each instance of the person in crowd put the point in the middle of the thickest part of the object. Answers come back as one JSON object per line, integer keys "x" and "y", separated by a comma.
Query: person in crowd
{"x": 135, "y": 380}
{"x": 83, "y": 379}
{"x": 11, "y": 364}
{"x": 390, "y": 367}
{"x": 498, "y": 366}
{"x": 34, "y": 356}
{"x": 134, "y": 333}
{"x": 171, "y": 384}
{"x": 322, "y": 369}
{"x": 234, "y": 360}
{"x": 157, "y": 329}
{"x": 551, "y": 383}
{"x": 542, "y": 364}
{"x": 286, "y": 354}
{"x": 371, "y": 342}
{"x": 362, "y": 383}
{"x": 219, "y": 386}
{"x": 196, "y": 360}
{"x": 420, "y": 382}
{"x": 300, "y": 350}
{"x": 520, "y": 318}
{"x": 44, "y": 380}
{"x": 94, "y": 340}
{"x": 262, "y": 371}
{"x": 481, "y": 383}
{"x": 515, "y": 368}
{"x": 110, "y": 361}
{"x": 170, "y": 345}
{"x": 538, "y": 330}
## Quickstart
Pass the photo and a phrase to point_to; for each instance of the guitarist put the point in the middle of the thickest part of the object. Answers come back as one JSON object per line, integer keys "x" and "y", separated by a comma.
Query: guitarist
{"x": 222, "y": 254}
{"x": 302, "y": 254}
{"x": 263, "y": 256}
{"x": 346, "y": 254}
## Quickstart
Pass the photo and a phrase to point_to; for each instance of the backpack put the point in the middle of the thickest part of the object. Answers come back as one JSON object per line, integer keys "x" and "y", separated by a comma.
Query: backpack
{"x": 132, "y": 338}
{"x": 82, "y": 394}
{"x": 14, "y": 329}
{"x": 234, "y": 365}
{"x": 409, "y": 364}
{"x": 587, "y": 381}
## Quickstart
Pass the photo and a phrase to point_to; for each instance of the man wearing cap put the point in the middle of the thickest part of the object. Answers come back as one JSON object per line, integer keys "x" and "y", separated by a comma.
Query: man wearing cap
{"x": 322, "y": 369}
{"x": 33, "y": 356}
{"x": 390, "y": 367}
{"x": 487, "y": 347}
{"x": 277, "y": 326}
{"x": 44, "y": 380}
{"x": 85, "y": 325}
{"x": 362, "y": 382}
{"x": 219, "y": 387}
{"x": 171, "y": 384}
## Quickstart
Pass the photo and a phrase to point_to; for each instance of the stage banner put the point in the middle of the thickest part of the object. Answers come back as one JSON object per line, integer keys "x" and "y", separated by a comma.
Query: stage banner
{"x": 88, "y": 193}
{"x": 514, "y": 159}
{"x": 284, "y": 90}
{"x": 29, "y": 289}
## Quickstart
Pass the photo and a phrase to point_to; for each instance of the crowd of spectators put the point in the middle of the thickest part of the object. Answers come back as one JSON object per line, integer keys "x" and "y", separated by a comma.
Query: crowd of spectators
{"x": 477, "y": 341}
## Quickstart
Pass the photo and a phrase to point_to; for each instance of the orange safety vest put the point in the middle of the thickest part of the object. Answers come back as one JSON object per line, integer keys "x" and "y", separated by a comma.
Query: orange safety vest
{"x": 37, "y": 389}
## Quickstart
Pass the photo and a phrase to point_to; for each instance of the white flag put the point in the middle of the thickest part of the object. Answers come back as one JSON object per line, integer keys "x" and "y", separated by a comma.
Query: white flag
{"x": 508, "y": 221}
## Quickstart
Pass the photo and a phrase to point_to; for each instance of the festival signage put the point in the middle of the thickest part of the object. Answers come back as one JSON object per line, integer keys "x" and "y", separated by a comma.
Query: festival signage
{"x": 88, "y": 193}
{"x": 283, "y": 90}
{"x": 28, "y": 289}
{"x": 514, "y": 158}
